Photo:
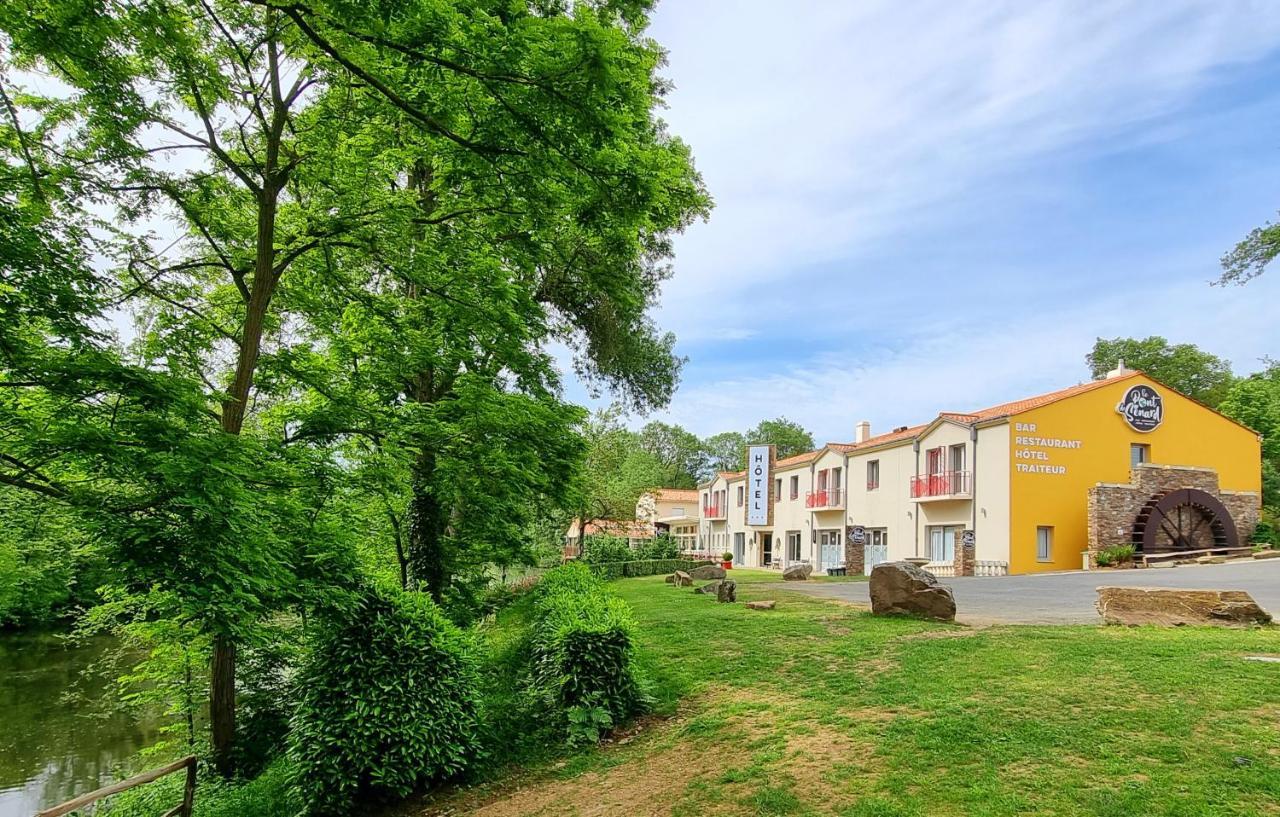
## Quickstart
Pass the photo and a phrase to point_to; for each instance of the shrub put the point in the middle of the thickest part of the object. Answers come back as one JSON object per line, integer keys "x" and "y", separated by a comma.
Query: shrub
{"x": 1264, "y": 533}
{"x": 386, "y": 702}
{"x": 662, "y": 546}
{"x": 1116, "y": 554}
{"x": 582, "y": 652}
{"x": 643, "y": 567}
{"x": 596, "y": 549}
{"x": 727, "y": 556}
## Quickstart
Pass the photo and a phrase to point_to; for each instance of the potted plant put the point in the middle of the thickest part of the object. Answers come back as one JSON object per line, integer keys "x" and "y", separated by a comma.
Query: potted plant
{"x": 726, "y": 560}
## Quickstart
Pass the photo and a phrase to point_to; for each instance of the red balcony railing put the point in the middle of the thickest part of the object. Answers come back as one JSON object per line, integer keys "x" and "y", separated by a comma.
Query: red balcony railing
{"x": 714, "y": 512}
{"x": 829, "y": 498}
{"x": 948, "y": 483}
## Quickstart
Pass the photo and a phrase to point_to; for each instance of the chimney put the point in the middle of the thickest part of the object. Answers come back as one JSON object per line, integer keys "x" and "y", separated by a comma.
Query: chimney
{"x": 1119, "y": 370}
{"x": 862, "y": 432}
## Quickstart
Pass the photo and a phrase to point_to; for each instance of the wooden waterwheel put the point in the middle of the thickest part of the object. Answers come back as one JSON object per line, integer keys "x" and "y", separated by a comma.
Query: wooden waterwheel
{"x": 1183, "y": 519}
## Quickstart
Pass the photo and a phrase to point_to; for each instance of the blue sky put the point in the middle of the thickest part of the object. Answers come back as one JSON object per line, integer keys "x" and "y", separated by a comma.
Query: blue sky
{"x": 927, "y": 206}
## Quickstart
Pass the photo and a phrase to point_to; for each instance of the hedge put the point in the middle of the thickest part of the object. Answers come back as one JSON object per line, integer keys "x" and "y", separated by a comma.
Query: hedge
{"x": 387, "y": 703}
{"x": 583, "y": 653}
{"x": 644, "y": 567}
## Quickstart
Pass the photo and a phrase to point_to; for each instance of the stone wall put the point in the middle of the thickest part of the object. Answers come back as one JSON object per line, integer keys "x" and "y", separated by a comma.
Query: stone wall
{"x": 854, "y": 558}
{"x": 964, "y": 558}
{"x": 1112, "y": 507}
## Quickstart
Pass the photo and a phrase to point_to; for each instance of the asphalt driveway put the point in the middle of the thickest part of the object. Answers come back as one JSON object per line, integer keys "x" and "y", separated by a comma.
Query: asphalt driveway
{"x": 1068, "y": 598}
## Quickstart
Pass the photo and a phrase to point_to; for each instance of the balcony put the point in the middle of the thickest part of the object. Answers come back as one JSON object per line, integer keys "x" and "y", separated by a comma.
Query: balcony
{"x": 947, "y": 485}
{"x": 714, "y": 512}
{"x": 829, "y": 498}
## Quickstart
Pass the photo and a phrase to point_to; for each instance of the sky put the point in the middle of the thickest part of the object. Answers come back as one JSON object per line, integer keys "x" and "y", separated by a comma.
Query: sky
{"x": 939, "y": 206}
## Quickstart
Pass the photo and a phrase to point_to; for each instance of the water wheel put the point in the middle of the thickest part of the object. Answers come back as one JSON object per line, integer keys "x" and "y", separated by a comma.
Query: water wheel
{"x": 1183, "y": 519}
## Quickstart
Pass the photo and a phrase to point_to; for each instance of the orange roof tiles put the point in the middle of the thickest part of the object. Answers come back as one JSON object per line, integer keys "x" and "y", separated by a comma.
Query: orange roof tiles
{"x": 1028, "y": 403}
{"x": 675, "y": 494}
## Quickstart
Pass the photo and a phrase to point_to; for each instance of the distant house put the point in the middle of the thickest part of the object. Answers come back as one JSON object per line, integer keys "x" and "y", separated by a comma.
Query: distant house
{"x": 635, "y": 531}
{"x": 661, "y": 510}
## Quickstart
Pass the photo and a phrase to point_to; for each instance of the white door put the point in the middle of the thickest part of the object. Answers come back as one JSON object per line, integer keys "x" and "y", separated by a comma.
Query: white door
{"x": 831, "y": 552}
{"x": 876, "y": 549}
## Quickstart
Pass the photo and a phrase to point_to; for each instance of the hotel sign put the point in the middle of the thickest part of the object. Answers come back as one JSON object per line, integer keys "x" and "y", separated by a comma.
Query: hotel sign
{"x": 1142, "y": 408}
{"x": 759, "y": 483}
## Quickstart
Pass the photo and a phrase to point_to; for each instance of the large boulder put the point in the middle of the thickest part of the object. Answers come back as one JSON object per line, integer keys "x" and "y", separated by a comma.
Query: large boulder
{"x": 727, "y": 592}
{"x": 707, "y": 572}
{"x": 1172, "y": 607}
{"x": 797, "y": 573}
{"x": 681, "y": 579}
{"x": 901, "y": 588}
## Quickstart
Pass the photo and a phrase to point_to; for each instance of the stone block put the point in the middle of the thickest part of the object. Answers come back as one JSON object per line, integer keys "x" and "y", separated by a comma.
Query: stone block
{"x": 1172, "y": 607}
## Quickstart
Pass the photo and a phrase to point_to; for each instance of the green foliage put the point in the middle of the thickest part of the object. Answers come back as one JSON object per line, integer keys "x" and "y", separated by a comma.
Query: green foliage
{"x": 49, "y": 563}
{"x": 1115, "y": 555}
{"x": 643, "y": 567}
{"x": 787, "y": 436}
{"x": 1195, "y": 373}
{"x": 1254, "y": 401}
{"x": 598, "y": 548}
{"x": 386, "y": 702}
{"x": 662, "y": 546}
{"x": 1264, "y": 533}
{"x": 1250, "y": 258}
{"x": 582, "y": 651}
{"x": 269, "y": 794}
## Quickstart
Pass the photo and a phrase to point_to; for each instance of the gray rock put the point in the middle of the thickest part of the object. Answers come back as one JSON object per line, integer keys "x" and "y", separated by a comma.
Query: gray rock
{"x": 707, "y": 572}
{"x": 727, "y": 592}
{"x": 670, "y": 579}
{"x": 681, "y": 579}
{"x": 901, "y": 588}
{"x": 797, "y": 573}
{"x": 710, "y": 589}
{"x": 762, "y": 605}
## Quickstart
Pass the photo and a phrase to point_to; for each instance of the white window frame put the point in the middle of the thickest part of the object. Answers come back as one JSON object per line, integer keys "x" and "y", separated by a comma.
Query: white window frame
{"x": 873, "y": 475}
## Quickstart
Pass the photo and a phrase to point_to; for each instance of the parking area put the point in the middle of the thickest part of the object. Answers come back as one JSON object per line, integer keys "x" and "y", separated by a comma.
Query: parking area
{"x": 1068, "y": 598}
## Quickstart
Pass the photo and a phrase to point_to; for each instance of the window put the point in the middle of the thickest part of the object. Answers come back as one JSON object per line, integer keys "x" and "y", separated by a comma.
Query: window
{"x": 777, "y": 489}
{"x": 766, "y": 549}
{"x": 739, "y": 547}
{"x": 1139, "y": 453}
{"x": 878, "y": 537}
{"x": 942, "y": 543}
{"x": 957, "y": 457}
{"x": 873, "y": 475}
{"x": 1044, "y": 544}
{"x": 742, "y": 492}
{"x": 835, "y": 478}
{"x": 795, "y": 487}
{"x": 793, "y": 545}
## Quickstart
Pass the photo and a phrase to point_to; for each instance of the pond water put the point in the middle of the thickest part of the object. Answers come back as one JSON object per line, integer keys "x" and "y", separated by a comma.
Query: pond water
{"x": 57, "y": 739}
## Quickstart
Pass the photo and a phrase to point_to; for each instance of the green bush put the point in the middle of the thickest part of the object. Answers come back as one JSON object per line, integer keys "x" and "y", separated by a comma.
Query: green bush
{"x": 643, "y": 567}
{"x": 270, "y": 794}
{"x": 1264, "y": 533}
{"x": 583, "y": 654}
{"x": 662, "y": 546}
{"x": 1115, "y": 555}
{"x": 600, "y": 548}
{"x": 386, "y": 702}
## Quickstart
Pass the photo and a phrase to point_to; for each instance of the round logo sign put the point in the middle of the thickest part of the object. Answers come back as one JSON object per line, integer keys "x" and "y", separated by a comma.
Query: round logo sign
{"x": 857, "y": 534}
{"x": 1142, "y": 408}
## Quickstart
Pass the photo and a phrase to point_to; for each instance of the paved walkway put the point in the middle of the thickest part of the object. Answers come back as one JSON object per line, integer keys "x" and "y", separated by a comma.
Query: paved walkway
{"x": 1068, "y": 598}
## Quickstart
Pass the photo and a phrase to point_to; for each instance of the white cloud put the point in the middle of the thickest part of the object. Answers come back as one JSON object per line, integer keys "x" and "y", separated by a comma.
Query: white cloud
{"x": 828, "y": 125}
{"x": 965, "y": 366}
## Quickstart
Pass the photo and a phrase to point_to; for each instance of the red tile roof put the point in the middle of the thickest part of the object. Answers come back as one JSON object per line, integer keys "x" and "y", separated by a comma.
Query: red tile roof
{"x": 880, "y": 439}
{"x": 675, "y": 494}
{"x": 1028, "y": 403}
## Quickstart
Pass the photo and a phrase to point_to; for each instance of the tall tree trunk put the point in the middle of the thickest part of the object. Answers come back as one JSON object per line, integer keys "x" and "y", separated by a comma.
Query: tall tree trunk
{"x": 222, "y": 681}
{"x": 427, "y": 520}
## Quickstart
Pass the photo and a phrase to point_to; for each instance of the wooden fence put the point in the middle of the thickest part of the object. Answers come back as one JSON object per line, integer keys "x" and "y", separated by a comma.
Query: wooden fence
{"x": 183, "y": 809}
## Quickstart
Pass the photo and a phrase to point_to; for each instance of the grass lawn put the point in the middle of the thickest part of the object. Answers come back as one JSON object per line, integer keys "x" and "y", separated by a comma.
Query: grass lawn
{"x": 820, "y": 708}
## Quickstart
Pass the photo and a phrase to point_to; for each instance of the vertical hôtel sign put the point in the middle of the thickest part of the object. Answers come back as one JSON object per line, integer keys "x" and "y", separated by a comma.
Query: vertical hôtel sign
{"x": 759, "y": 483}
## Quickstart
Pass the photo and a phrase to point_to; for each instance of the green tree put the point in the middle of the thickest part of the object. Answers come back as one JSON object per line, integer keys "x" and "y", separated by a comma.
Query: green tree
{"x": 726, "y": 451}
{"x": 1250, "y": 257}
{"x": 1192, "y": 371}
{"x": 1254, "y": 401}
{"x": 617, "y": 469}
{"x": 681, "y": 453}
{"x": 789, "y": 437}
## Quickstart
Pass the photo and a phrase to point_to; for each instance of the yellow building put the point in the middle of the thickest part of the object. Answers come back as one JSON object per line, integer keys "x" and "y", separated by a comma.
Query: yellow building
{"x": 1032, "y": 485}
